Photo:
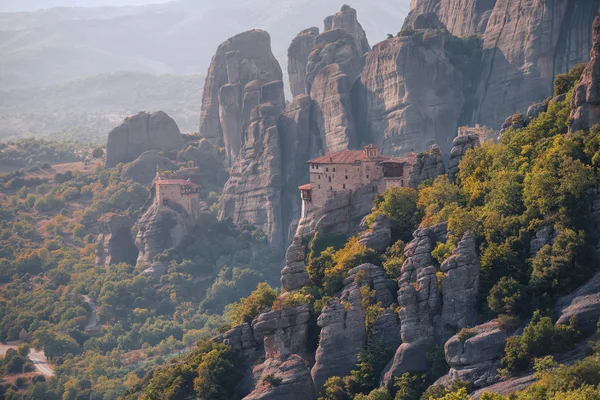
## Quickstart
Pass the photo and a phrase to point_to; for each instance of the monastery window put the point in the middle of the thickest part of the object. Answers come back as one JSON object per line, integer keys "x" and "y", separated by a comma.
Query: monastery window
{"x": 334, "y": 170}
{"x": 319, "y": 176}
{"x": 326, "y": 169}
{"x": 346, "y": 176}
{"x": 329, "y": 179}
{"x": 367, "y": 176}
{"x": 344, "y": 186}
{"x": 319, "y": 186}
{"x": 330, "y": 187}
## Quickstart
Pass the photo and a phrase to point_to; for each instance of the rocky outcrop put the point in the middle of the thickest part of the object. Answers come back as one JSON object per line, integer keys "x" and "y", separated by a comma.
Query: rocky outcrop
{"x": 294, "y": 275}
{"x": 428, "y": 166}
{"x": 159, "y": 228}
{"x": 294, "y": 373}
{"x": 461, "y": 285}
{"x": 460, "y": 145}
{"x": 143, "y": 169}
{"x": 347, "y": 21}
{"x": 476, "y": 359}
{"x": 241, "y": 338}
{"x": 283, "y": 334}
{"x": 583, "y": 303}
{"x": 115, "y": 244}
{"x": 298, "y": 53}
{"x": 228, "y": 93}
{"x": 156, "y": 271}
{"x": 400, "y": 106}
{"x": 586, "y": 98}
{"x": 333, "y": 67}
{"x": 543, "y": 236}
{"x": 342, "y": 322}
{"x": 253, "y": 192}
{"x": 379, "y": 235}
{"x": 140, "y": 133}
{"x": 523, "y": 55}
{"x": 386, "y": 330}
{"x": 340, "y": 215}
{"x": 420, "y": 302}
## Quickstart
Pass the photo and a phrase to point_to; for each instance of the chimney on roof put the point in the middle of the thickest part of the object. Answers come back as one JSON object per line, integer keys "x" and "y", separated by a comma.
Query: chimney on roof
{"x": 371, "y": 152}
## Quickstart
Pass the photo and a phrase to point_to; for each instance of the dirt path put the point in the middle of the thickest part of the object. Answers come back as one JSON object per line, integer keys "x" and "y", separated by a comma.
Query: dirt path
{"x": 37, "y": 357}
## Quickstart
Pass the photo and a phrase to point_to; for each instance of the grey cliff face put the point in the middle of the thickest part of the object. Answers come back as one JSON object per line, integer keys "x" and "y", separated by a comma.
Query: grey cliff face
{"x": 586, "y": 99}
{"x": 143, "y": 169}
{"x": 141, "y": 133}
{"x": 347, "y": 21}
{"x": 238, "y": 61}
{"x": 402, "y": 109}
{"x": 294, "y": 275}
{"x": 253, "y": 191}
{"x": 523, "y": 55}
{"x": 379, "y": 236}
{"x": 333, "y": 67}
{"x": 115, "y": 242}
{"x": 429, "y": 165}
{"x": 583, "y": 303}
{"x": 461, "y": 285}
{"x": 298, "y": 53}
{"x": 159, "y": 228}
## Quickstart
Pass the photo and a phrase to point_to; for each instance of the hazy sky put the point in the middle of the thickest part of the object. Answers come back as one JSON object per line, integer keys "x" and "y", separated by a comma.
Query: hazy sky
{"x": 32, "y": 5}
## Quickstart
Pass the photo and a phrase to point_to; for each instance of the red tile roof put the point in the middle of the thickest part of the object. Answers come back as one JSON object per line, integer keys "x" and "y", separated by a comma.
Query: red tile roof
{"x": 180, "y": 182}
{"x": 304, "y": 187}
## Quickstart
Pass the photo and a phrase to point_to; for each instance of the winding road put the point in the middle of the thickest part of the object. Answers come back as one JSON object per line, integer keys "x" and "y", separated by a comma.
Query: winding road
{"x": 93, "y": 317}
{"x": 37, "y": 357}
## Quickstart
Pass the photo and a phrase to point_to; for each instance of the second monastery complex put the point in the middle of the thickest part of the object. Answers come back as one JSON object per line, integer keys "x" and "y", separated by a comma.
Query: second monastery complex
{"x": 348, "y": 170}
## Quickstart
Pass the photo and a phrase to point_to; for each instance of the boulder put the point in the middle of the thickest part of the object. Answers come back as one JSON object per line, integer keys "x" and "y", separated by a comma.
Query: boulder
{"x": 143, "y": 169}
{"x": 241, "y": 338}
{"x": 160, "y": 228}
{"x": 156, "y": 271}
{"x": 428, "y": 166}
{"x": 379, "y": 236}
{"x": 283, "y": 332}
{"x": 298, "y": 53}
{"x": 477, "y": 359}
{"x": 141, "y": 133}
{"x": 543, "y": 236}
{"x": 115, "y": 244}
{"x": 294, "y": 373}
{"x": 586, "y": 99}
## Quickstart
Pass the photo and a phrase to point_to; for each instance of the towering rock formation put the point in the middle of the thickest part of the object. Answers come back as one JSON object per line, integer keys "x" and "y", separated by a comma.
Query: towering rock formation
{"x": 140, "y": 133}
{"x": 586, "y": 100}
{"x": 298, "y": 53}
{"x": 230, "y": 92}
{"x": 429, "y": 165}
{"x": 462, "y": 18}
{"x": 411, "y": 94}
{"x": 333, "y": 67}
{"x": 347, "y": 21}
{"x": 526, "y": 45}
{"x": 115, "y": 242}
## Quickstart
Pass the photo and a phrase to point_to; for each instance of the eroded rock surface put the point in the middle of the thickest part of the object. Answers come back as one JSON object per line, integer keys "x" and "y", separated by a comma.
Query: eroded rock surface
{"x": 428, "y": 166}
{"x": 347, "y": 20}
{"x": 159, "y": 228}
{"x": 253, "y": 192}
{"x": 401, "y": 107}
{"x": 583, "y": 303}
{"x": 141, "y": 133}
{"x": 296, "y": 382}
{"x": 586, "y": 99}
{"x": 294, "y": 275}
{"x": 298, "y": 53}
{"x": 477, "y": 359}
{"x": 115, "y": 243}
{"x": 240, "y": 60}
{"x": 379, "y": 236}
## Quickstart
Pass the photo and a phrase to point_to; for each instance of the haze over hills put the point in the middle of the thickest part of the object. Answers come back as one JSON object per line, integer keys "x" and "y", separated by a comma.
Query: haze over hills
{"x": 175, "y": 39}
